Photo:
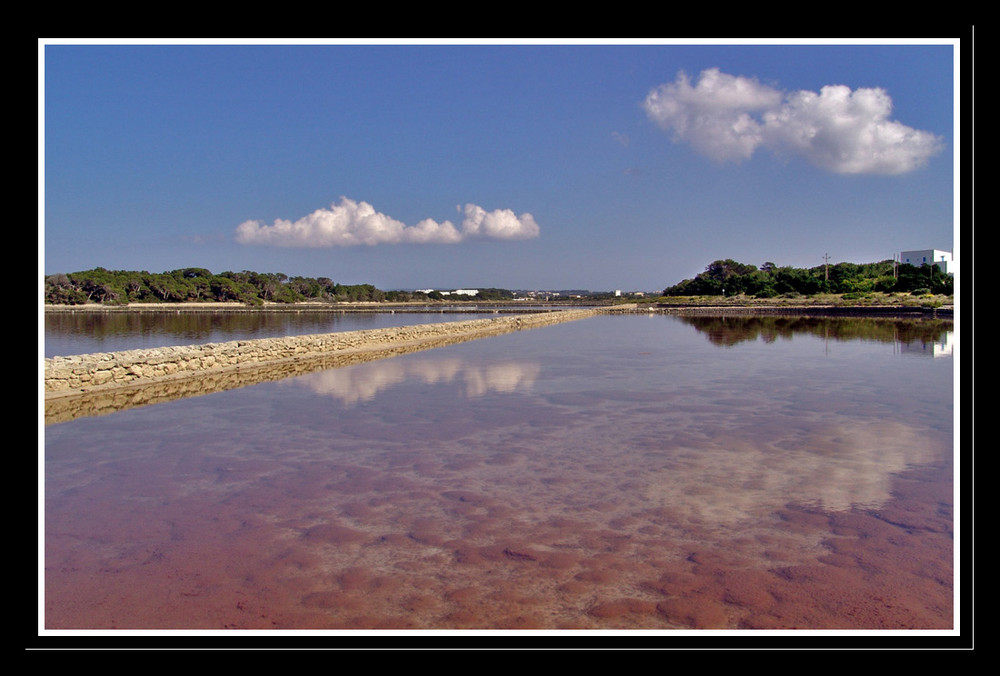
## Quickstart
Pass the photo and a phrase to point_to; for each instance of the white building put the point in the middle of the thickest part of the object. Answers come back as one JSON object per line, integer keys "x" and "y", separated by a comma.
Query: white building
{"x": 930, "y": 256}
{"x": 457, "y": 292}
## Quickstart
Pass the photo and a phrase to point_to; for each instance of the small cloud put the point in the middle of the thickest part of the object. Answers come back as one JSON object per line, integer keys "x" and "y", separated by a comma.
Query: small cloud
{"x": 499, "y": 224}
{"x": 621, "y": 138}
{"x": 727, "y": 118}
{"x": 352, "y": 223}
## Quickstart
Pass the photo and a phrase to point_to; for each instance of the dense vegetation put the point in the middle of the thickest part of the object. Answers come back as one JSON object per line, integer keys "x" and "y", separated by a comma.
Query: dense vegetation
{"x": 114, "y": 287}
{"x": 730, "y": 278}
{"x": 720, "y": 278}
{"x": 118, "y": 287}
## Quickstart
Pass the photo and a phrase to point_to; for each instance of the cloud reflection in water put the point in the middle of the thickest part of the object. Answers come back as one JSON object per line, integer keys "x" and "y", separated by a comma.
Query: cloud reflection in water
{"x": 354, "y": 385}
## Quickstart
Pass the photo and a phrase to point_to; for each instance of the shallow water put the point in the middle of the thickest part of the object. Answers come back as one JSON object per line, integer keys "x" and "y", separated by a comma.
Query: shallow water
{"x": 87, "y": 332}
{"x": 609, "y": 473}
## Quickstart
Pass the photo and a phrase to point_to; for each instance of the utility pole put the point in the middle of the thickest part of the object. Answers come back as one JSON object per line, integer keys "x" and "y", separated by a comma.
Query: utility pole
{"x": 826, "y": 268}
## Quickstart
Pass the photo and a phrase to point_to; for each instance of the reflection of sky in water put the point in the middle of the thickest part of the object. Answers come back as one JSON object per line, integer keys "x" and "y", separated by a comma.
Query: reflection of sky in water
{"x": 564, "y": 439}
{"x": 719, "y": 444}
{"x": 351, "y": 385}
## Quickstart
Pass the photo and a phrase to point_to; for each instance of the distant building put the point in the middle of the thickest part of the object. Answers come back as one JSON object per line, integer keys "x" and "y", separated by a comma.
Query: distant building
{"x": 457, "y": 292}
{"x": 931, "y": 257}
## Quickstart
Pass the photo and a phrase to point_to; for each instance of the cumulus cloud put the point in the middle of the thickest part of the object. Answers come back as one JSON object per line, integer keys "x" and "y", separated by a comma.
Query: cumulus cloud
{"x": 727, "y": 118}
{"x": 499, "y": 224}
{"x": 714, "y": 115}
{"x": 353, "y": 223}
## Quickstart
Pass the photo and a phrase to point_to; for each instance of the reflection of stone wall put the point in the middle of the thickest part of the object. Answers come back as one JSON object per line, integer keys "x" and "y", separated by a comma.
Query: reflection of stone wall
{"x": 89, "y": 372}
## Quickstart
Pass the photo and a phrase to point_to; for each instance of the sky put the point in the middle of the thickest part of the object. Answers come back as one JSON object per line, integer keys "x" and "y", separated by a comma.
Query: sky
{"x": 547, "y": 165}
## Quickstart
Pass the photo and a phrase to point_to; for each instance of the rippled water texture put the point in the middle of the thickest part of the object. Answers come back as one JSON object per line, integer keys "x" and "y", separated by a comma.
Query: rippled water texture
{"x": 609, "y": 473}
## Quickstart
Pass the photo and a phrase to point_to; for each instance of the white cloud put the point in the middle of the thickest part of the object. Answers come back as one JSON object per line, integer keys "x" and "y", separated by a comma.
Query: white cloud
{"x": 848, "y": 132}
{"x": 352, "y": 223}
{"x": 727, "y": 118}
{"x": 714, "y": 115}
{"x": 499, "y": 224}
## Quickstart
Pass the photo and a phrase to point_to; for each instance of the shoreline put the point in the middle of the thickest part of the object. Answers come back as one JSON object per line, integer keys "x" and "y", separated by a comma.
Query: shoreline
{"x": 898, "y": 311}
{"x": 471, "y": 308}
{"x": 824, "y": 304}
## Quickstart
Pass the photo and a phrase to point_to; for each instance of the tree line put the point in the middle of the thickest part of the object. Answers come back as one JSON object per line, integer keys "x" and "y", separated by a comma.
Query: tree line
{"x": 730, "y": 278}
{"x": 118, "y": 287}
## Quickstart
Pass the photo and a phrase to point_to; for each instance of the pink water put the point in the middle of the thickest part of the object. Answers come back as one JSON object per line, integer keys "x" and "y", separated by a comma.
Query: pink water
{"x": 612, "y": 473}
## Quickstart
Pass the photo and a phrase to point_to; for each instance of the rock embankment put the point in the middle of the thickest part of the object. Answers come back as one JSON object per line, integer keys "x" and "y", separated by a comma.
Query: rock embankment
{"x": 65, "y": 376}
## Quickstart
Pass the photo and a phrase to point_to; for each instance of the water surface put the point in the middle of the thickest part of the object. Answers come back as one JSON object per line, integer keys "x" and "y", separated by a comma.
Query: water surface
{"x": 609, "y": 473}
{"x": 90, "y": 331}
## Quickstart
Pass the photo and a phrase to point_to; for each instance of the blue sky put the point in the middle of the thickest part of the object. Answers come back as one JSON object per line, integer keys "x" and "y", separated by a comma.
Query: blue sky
{"x": 597, "y": 166}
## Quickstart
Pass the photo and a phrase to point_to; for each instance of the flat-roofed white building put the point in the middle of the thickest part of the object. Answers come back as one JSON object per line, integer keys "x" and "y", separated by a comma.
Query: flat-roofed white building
{"x": 931, "y": 257}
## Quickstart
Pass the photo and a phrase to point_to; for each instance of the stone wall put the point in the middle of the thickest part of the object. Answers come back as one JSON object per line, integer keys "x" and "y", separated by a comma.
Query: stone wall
{"x": 65, "y": 376}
